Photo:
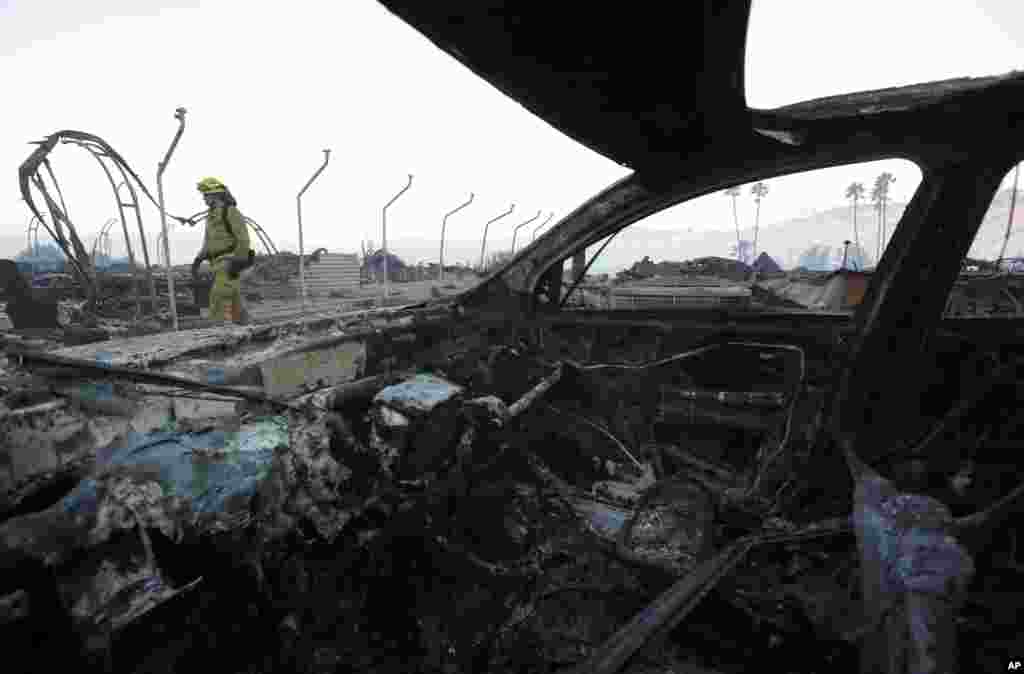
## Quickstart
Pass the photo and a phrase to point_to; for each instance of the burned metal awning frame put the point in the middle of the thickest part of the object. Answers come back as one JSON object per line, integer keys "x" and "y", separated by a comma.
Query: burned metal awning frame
{"x": 29, "y": 176}
{"x": 113, "y": 164}
{"x": 132, "y": 204}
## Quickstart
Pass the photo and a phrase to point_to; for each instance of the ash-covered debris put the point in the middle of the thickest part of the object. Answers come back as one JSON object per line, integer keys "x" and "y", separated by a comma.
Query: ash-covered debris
{"x": 489, "y": 515}
{"x": 415, "y": 424}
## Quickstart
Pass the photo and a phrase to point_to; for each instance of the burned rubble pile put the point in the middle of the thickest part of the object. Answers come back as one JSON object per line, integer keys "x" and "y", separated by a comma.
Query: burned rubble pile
{"x": 61, "y": 314}
{"x": 270, "y": 277}
{"x": 500, "y": 511}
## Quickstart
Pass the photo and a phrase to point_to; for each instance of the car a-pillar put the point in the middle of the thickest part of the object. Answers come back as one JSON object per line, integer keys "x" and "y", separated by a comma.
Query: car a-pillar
{"x": 904, "y": 302}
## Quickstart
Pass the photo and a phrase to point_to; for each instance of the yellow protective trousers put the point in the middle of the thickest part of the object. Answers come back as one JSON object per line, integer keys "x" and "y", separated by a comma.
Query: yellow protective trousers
{"x": 226, "y": 293}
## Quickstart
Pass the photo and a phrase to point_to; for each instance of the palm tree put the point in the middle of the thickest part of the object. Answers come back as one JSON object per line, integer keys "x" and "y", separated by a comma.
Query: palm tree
{"x": 881, "y": 193}
{"x": 759, "y": 190}
{"x": 1009, "y": 220}
{"x": 855, "y": 192}
{"x": 734, "y": 193}
{"x": 876, "y": 200}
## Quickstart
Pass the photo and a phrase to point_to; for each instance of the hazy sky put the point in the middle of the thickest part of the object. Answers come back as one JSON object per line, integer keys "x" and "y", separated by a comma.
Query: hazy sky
{"x": 269, "y": 85}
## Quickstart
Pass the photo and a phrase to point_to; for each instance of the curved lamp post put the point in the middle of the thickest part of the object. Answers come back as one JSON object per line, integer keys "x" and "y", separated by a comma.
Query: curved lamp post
{"x": 483, "y": 242}
{"x": 515, "y": 232}
{"x": 179, "y": 115}
{"x": 541, "y": 225}
{"x": 444, "y": 223}
{"x": 298, "y": 209}
{"x": 384, "y": 237}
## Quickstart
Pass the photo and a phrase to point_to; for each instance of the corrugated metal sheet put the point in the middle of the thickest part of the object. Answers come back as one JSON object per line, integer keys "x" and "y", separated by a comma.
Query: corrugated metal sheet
{"x": 334, "y": 272}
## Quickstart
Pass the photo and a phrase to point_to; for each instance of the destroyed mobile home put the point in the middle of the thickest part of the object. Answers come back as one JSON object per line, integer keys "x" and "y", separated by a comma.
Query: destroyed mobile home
{"x": 494, "y": 482}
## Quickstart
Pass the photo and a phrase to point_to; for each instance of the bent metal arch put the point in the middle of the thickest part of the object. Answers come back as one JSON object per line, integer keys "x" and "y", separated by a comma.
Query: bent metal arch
{"x": 70, "y": 243}
{"x": 63, "y": 231}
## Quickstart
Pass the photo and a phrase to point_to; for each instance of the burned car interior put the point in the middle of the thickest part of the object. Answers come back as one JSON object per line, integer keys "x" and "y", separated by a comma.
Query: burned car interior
{"x": 509, "y": 481}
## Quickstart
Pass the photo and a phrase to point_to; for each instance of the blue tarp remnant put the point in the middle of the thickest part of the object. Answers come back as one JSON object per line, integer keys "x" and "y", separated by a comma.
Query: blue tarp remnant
{"x": 419, "y": 394}
{"x": 208, "y": 470}
{"x": 177, "y": 482}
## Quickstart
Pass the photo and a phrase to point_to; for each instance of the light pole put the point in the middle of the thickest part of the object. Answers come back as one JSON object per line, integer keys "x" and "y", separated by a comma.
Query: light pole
{"x": 384, "y": 237}
{"x": 298, "y": 210}
{"x": 515, "y": 232}
{"x": 483, "y": 242}
{"x": 541, "y": 225}
{"x": 179, "y": 115}
{"x": 444, "y": 223}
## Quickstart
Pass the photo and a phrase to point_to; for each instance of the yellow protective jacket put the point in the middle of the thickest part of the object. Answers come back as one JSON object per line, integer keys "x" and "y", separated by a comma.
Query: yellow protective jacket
{"x": 226, "y": 234}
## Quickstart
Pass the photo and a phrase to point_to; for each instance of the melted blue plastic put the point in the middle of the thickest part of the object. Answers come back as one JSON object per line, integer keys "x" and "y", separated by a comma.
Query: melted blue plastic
{"x": 422, "y": 393}
{"x": 208, "y": 483}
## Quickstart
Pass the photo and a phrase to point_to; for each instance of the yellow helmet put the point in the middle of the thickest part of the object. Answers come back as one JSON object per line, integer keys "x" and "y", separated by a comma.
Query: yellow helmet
{"x": 211, "y": 186}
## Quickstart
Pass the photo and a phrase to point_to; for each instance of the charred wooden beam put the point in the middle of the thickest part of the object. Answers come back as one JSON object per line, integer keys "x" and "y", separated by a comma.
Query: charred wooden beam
{"x": 528, "y": 398}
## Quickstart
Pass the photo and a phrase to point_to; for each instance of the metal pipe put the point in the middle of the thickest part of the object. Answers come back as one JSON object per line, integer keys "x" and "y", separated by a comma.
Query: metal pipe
{"x": 541, "y": 225}
{"x": 124, "y": 225}
{"x": 73, "y": 248}
{"x": 103, "y": 234}
{"x": 384, "y": 236}
{"x": 179, "y": 115}
{"x": 71, "y": 245}
{"x": 444, "y": 223}
{"x": 100, "y": 150}
{"x": 515, "y": 232}
{"x": 298, "y": 207}
{"x": 33, "y": 240}
{"x": 29, "y": 228}
{"x": 76, "y": 242}
{"x": 483, "y": 242}
{"x": 102, "y": 241}
{"x": 150, "y": 280}
{"x": 56, "y": 185}
{"x": 264, "y": 237}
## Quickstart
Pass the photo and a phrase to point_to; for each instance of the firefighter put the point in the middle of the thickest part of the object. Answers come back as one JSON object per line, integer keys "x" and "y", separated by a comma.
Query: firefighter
{"x": 226, "y": 247}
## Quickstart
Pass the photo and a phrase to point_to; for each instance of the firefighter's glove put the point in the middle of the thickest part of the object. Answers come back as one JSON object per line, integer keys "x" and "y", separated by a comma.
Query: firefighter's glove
{"x": 235, "y": 265}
